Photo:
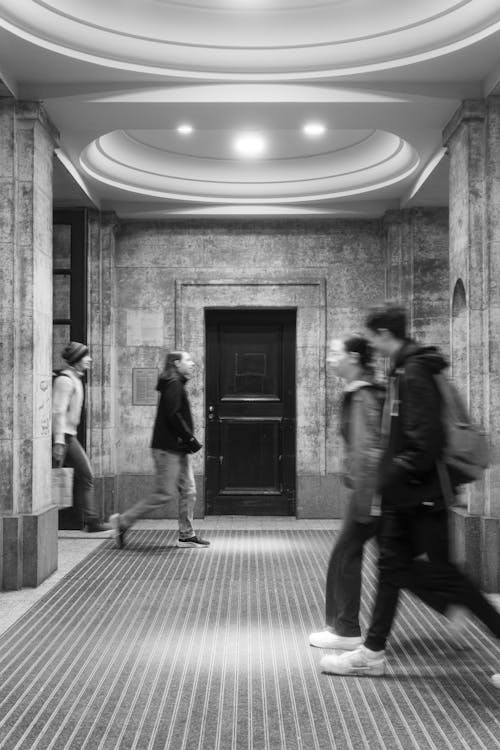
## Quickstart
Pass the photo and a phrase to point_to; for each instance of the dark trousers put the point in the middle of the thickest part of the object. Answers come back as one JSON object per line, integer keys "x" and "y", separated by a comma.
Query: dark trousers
{"x": 84, "y": 478}
{"x": 414, "y": 555}
{"x": 343, "y": 579}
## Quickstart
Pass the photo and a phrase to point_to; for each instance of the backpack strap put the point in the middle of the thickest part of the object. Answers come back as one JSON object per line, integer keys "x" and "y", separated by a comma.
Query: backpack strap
{"x": 445, "y": 482}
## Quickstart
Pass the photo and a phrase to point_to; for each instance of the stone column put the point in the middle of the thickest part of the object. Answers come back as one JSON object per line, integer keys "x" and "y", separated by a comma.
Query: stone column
{"x": 399, "y": 259}
{"x": 473, "y": 140}
{"x": 28, "y": 519}
{"x": 491, "y": 519}
{"x": 416, "y": 245}
{"x": 101, "y": 422}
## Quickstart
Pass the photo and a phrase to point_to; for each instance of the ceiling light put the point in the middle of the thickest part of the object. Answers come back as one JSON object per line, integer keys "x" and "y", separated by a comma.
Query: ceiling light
{"x": 185, "y": 129}
{"x": 250, "y": 145}
{"x": 314, "y": 129}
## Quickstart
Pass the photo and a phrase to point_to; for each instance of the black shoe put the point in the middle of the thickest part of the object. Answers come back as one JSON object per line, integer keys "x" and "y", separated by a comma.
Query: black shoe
{"x": 193, "y": 541}
{"x": 94, "y": 527}
{"x": 118, "y": 531}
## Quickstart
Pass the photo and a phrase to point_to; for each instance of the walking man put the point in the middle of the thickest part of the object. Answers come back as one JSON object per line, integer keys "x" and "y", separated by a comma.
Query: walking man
{"x": 173, "y": 442}
{"x": 67, "y": 403}
{"x": 413, "y": 536}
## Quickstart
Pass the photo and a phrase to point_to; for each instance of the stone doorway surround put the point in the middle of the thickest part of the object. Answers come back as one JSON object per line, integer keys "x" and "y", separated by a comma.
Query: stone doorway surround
{"x": 308, "y": 297}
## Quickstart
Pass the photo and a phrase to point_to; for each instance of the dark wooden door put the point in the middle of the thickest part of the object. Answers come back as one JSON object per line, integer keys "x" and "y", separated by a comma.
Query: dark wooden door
{"x": 250, "y": 412}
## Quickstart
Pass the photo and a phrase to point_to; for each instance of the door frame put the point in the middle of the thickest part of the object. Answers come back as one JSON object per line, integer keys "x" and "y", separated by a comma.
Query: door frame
{"x": 308, "y": 295}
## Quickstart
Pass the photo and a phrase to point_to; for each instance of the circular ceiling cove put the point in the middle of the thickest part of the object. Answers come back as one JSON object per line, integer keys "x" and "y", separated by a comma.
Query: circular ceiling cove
{"x": 349, "y": 163}
{"x": 251, "y": 39}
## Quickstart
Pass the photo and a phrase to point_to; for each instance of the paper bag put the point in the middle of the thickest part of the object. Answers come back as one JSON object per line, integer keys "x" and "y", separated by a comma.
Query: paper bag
{"x": 62, "y": 487}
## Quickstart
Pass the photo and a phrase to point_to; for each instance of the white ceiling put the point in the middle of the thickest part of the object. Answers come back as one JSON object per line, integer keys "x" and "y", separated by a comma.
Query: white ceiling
{"x": 118, "y": 78}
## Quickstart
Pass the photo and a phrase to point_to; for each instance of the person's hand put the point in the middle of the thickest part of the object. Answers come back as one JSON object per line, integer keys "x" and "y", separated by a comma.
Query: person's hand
{"x": 194, "y": 445}
{"x": 58, "y": 450}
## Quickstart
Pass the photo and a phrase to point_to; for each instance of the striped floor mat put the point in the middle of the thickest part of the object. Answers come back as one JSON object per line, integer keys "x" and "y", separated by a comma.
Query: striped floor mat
{"x": 154, "y": 647}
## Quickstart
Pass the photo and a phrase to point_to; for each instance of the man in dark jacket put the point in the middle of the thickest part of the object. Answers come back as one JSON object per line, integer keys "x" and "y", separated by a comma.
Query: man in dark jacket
{"x": 173, "y": 442}
{"x": 413, "y": 536}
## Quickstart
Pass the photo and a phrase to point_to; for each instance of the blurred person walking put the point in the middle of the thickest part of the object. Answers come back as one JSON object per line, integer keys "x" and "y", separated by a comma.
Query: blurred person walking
{"x": 360, "y": 416}
{"x": 413, "y": 537}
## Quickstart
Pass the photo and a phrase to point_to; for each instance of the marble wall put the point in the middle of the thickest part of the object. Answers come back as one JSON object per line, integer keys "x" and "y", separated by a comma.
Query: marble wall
{"x": 167, "y": 273}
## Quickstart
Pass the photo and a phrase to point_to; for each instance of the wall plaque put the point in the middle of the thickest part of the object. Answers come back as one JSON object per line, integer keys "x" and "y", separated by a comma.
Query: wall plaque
{"x": 144, "y": 380}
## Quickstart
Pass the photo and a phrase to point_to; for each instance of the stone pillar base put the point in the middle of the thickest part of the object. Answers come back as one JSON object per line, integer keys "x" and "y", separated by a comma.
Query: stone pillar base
{"x": 28, "y": 546}
{"x": 475, "y": 542}
{"x": 490, "y": 538}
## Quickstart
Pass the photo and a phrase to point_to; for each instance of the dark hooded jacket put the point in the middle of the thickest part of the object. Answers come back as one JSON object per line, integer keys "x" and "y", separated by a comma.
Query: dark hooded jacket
{"x": 173, "y": 428}
{"x": 412, "y": 430}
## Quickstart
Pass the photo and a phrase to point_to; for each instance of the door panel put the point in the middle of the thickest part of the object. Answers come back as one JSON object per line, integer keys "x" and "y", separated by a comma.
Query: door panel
{"x": 250, "y": 421}
{"x": 246, "y": 444}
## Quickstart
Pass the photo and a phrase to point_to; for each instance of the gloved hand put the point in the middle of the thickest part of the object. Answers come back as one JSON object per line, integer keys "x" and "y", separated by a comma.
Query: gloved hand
{"x": 194, "y": 445}
{"x": 58, "y": 451}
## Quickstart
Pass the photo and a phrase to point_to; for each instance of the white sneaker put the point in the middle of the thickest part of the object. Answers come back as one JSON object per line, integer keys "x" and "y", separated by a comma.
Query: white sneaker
{"x": 327, "y": 639}
{"x": 363, "y": 661}
{"x": 496, "y": 680}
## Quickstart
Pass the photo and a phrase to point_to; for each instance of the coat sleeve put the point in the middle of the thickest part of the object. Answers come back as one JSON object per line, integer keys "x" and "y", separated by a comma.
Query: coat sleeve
{"x": 366, "y": 450}
{"x": 171, "y": 402}
{"x": 61, "y": 395}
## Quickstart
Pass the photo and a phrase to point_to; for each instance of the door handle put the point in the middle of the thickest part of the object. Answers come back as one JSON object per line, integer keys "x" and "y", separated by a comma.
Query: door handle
{"x": 211, "y": 413}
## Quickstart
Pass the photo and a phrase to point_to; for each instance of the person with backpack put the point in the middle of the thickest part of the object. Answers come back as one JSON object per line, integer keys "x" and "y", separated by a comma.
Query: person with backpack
{"x": 67, "y": 403}
{"x": 413, "y": 535}
{"x": 360, "y": 415}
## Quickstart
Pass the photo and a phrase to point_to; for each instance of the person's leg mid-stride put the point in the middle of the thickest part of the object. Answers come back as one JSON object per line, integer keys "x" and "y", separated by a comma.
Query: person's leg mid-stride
{"x": 174, "y": 481}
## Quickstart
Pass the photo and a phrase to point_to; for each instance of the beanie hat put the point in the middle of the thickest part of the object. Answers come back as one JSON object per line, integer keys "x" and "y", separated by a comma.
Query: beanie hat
{"x": 74, "y": 351}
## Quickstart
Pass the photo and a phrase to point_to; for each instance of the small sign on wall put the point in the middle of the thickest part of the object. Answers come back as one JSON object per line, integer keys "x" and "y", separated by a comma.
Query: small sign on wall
{"x": 144, "y": 380}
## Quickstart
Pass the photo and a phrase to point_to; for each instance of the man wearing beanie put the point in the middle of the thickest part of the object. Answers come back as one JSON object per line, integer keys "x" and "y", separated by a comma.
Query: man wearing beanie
{"x": 67, "y": 402}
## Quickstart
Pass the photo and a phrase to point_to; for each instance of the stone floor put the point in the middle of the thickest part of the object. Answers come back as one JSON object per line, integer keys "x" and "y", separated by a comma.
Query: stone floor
{"x": 74, "y": 546}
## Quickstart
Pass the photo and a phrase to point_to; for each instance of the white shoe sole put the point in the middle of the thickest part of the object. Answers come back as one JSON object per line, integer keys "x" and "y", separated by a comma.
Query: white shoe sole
{"x": 192, "y": 544}
{"x": 370, "y": 670}
{"x": 337, "y": 642}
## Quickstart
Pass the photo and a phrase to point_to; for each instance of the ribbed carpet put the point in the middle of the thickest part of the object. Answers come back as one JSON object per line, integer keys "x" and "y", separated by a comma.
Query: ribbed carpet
{"x": 158, "y": 647}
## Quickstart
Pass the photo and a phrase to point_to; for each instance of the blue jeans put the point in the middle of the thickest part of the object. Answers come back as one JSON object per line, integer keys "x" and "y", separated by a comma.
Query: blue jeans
{"x": 174, "y": 480}
{"x": 83, "y": 491}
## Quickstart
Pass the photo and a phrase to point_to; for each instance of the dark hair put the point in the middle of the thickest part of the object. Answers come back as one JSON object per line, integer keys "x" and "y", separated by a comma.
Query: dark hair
{"x": 391, "y": 317}
{"x": 170, "y": 367}
{"x": 358, "y": 344}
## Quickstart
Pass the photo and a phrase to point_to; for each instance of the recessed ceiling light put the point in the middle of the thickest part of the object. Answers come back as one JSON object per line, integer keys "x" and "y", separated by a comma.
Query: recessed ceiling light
{"x": 314, "y": 129}
{"x": 250, "y": 145}
{"x": 185, "y": 129}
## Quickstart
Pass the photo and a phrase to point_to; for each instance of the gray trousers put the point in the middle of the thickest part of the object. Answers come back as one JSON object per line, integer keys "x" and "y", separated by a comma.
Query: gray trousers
{"x": 174, "y": 482}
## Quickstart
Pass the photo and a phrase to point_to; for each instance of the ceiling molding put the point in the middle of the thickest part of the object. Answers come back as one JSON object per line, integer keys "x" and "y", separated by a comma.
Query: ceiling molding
{"x": 308, "y": 41}
{"x": 375, "y": 160}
